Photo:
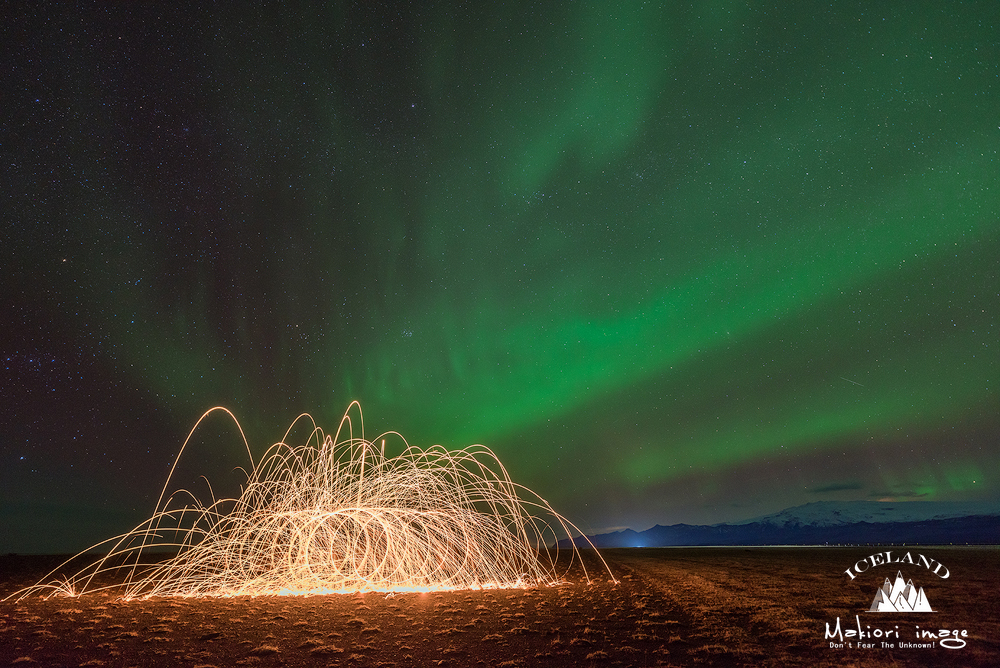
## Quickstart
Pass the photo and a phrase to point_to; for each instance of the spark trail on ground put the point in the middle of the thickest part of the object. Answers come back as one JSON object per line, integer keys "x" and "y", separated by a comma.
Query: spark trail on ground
{"x": 336, "y": 515}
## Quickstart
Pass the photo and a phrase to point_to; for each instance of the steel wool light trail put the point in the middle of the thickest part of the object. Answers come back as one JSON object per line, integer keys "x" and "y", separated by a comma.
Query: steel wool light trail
{"x": 336, "y": 515}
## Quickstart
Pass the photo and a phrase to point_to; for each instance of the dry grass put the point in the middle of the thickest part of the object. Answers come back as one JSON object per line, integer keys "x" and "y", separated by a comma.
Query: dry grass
{"x": 770, "y": 606}
{"x": 726, "y": 607}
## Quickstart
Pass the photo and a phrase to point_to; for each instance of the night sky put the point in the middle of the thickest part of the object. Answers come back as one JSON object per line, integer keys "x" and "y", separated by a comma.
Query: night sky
{"x": 682, "y": 262}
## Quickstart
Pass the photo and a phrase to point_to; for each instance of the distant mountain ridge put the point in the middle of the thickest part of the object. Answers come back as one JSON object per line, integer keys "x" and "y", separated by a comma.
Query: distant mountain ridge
{"x": 846, "y": 512}
{"x": 829, "y": 522}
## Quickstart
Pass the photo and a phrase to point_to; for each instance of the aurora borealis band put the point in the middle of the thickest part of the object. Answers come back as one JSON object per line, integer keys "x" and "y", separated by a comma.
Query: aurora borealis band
{"x": 672, "y": 262}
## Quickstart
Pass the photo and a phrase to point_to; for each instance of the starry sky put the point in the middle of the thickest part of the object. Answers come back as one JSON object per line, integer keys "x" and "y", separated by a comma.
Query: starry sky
{"x": 673, "y": 262}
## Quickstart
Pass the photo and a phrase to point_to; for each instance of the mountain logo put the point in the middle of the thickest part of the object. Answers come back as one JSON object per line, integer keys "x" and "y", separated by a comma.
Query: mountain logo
{"x": 900, "y": 596}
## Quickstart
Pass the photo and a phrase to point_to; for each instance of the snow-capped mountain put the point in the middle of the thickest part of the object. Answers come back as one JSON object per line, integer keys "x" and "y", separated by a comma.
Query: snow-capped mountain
{"x": 833, "y": 523}
{"x": 833, "y": 513}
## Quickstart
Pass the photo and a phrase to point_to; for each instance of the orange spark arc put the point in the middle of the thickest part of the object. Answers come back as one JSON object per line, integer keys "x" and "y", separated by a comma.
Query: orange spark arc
{"x": 336, "y": 515}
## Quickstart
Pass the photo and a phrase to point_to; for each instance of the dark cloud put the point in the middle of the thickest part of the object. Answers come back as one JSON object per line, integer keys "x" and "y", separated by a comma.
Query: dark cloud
{"x": 837, "y": 487}
{"x": 906, "y": 494}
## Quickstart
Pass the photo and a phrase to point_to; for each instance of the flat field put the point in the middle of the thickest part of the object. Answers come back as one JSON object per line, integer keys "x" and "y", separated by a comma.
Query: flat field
{"x": 726, "y": 606}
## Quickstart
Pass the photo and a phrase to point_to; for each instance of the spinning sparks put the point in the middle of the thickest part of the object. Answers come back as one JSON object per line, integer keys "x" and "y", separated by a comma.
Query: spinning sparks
{"x": 335, "y": 515}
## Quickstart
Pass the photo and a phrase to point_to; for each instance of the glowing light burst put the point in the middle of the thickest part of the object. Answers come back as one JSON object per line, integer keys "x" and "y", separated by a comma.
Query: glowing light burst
{"x": 336, "y": 515}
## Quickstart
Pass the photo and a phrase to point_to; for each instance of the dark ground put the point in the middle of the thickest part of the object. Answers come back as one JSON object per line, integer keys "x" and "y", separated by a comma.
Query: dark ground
{"x": 675, "y": 606}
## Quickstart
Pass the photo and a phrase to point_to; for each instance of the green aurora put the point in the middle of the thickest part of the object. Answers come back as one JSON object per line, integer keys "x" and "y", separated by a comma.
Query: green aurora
{"x": 679, "y": 263}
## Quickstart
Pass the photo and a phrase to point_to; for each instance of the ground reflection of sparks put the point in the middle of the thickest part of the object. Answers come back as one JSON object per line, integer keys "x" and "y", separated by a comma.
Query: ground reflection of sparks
{"x": 336, "y": 515}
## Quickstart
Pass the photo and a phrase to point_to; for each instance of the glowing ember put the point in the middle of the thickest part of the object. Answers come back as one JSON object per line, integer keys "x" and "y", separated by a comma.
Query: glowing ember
{"x": 336, "y": 515}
